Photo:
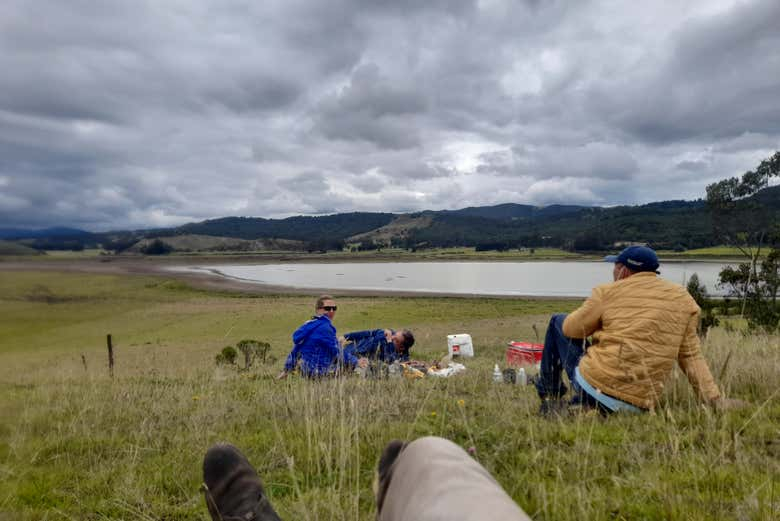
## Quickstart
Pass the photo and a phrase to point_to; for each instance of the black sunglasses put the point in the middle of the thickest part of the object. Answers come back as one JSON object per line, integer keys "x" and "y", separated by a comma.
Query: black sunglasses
{"x": 330, "y": 308}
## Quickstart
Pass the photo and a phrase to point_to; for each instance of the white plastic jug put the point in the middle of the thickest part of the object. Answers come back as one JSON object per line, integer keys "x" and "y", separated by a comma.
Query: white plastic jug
{"x": 460, "y": 345}
{"x": 522, "y": 378}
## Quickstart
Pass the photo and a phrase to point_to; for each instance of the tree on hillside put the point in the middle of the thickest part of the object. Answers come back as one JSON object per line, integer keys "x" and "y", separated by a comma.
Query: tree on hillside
{"x": 699, "y": 293}
{"x": 119, "y": 244}
{"x": 737, "y": 218}
{"x": 156, "y": 247}
{"x": 743, "y": 221}
{"x": 325, "y": 244}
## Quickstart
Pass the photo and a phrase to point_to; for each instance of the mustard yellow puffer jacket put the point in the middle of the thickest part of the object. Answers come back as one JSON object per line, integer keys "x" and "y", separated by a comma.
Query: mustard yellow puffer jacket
{"x": 640, "y": 325}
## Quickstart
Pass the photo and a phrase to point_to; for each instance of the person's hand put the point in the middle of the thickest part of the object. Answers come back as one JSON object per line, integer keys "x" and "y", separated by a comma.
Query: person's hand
{"x": 362, "y": 362}
{"x": 342, "y": 341}
{"x": 388, "y": 335}
{"x": 282, "y": 375}
{"x": 728, "y": 404}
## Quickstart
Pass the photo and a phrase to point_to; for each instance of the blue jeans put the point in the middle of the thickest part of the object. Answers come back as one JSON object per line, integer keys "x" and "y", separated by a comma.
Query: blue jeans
{"x": 560, "y": 353}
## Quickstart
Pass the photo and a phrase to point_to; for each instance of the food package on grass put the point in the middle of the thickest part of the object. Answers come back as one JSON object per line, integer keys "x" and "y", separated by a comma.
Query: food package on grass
{"x": 412, "y": 371}
{"x": 444, "y": 372}
{"x": 415, "y": 369}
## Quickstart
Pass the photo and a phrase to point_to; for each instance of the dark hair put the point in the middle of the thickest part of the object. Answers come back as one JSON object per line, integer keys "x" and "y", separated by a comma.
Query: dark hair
{"x": 408, "y": 339}
{"x": 321, "y": 300}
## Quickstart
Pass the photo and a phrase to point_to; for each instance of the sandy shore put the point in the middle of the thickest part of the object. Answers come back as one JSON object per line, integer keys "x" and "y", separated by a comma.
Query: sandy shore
{"x": 207, "y": 280}
{"x": 153, "y": 266}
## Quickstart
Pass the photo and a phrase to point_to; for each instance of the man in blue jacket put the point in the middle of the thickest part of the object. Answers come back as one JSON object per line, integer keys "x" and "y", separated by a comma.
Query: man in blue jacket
{"x": 316, "y": 346}
{"x": 380, "y": 344}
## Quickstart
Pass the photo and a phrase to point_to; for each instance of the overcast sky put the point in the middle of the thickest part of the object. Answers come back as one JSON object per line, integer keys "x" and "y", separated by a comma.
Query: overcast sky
{"x": 118, "y": 114}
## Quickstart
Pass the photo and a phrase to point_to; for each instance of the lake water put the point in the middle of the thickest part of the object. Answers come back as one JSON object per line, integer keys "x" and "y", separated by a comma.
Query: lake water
{"x": 550, "y": 279}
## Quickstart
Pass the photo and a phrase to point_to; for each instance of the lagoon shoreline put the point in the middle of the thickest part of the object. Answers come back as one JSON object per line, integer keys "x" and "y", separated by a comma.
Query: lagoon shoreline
{"x": 213, "y": 280}
{"x": 210, "y": 280}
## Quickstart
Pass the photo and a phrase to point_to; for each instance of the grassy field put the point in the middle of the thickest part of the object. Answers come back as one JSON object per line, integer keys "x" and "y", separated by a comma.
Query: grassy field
{"x": 77, "y": 444}
{"x": 70, "y": 254}
{"x": 715, "y": 252}
{"x": 12, "y": 249}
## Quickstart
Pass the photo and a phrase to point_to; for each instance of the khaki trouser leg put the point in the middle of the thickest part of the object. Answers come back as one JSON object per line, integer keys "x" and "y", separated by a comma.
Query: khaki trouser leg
{"x": 433, "y": 479}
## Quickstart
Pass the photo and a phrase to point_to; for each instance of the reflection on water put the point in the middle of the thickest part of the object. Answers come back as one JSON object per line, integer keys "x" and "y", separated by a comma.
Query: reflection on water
{"x": 554, "y": 278}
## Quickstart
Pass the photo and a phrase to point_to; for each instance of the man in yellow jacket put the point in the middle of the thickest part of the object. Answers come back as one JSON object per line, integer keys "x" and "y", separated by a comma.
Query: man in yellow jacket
{"x": 640, "y": 325}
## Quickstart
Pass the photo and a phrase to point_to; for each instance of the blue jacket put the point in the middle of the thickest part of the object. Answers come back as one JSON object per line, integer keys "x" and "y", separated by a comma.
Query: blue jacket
{"x": 373, "y": 344}
{"x": 317, "y": 347}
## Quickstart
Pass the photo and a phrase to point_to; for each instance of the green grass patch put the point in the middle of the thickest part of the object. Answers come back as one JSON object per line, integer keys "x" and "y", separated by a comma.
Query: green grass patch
{"x": 77, "y": 444}
{"x": 80, "y": 254}
{"x": 715, "y": 252}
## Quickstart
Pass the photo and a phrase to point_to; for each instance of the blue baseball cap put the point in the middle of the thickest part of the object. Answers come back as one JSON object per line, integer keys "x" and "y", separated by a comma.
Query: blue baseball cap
{"x": 636, "y": 258}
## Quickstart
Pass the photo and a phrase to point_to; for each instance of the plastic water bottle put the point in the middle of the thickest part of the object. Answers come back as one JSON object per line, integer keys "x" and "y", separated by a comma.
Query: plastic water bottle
{"x": 497, "y": 376}
{"x": 394, "y": 370}
{"x": 522, "y": 378}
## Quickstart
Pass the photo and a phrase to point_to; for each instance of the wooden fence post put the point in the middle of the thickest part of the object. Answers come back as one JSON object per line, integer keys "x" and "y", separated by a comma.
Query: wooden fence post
{"x": 110, "y": 356}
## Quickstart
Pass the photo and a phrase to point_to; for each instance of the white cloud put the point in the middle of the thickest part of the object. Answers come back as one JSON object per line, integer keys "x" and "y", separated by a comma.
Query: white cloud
{"x": 153, "y": 114}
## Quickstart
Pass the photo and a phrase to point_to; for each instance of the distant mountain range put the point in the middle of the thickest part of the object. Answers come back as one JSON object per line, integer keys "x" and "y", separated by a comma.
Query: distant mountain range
{"x": 19, "y": 233}
{"x": 667, "y": 224}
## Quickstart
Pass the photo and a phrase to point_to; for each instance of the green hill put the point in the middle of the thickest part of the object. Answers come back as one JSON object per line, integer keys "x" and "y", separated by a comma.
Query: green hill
{"x": 208, "y": 243}
{"x": 15, "y": 248}
{"x": 664, "y": 225}
{"x": 672, "y": 225}
{"x": 300, "y": 228}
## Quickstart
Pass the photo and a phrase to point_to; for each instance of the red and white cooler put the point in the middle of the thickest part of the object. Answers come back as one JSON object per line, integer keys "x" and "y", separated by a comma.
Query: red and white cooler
{"x": 524, "y": 353}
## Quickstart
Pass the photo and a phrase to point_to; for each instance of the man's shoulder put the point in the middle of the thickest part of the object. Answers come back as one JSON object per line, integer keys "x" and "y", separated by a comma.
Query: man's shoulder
{"x": 601, "y": 289}
{"x": 653, "y": 281}
{"x": 653, "y": 286}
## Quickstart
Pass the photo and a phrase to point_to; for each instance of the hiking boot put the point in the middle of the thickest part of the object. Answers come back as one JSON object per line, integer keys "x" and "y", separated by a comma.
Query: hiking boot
{"x": 551, "y": 408}
{"x": 232, "y": 487}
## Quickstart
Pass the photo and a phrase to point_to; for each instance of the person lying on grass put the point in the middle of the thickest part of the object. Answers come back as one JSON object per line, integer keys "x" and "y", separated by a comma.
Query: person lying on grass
{"x": 384, "y": 345}
{"x": 640, "y": 326}
{"x": 316, "y": 349}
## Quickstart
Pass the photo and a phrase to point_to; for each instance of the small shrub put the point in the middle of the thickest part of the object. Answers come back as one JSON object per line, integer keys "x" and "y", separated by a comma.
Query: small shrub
{"x": 227, "y": 356}
{"x": 254, "y": 349}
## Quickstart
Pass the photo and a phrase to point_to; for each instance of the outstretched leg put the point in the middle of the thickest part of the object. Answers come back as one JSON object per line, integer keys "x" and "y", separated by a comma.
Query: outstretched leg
{"x": 431, "y": 479}
{"x": 232, "y": 487}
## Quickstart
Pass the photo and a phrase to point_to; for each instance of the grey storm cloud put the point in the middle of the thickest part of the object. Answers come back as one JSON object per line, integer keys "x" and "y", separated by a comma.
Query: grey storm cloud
{"x": 127, "y": 115}
{"x": 307, "y": 182}
{"x": 715, "y": 81}
{"x": 692, "y": 166}
{"x": 373, "y": 109}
